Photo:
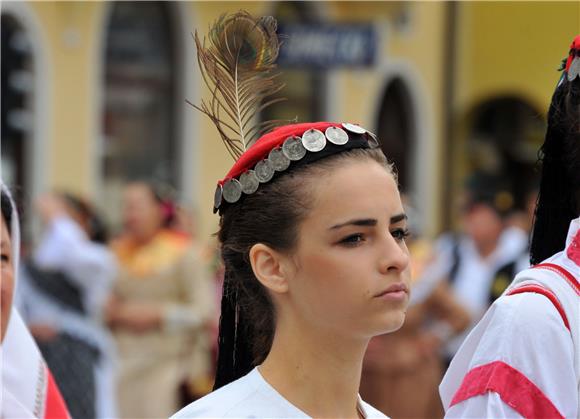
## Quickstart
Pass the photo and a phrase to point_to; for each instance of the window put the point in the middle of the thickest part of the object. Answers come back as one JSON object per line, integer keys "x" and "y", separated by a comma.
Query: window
{"x": 139, "y": 123}
{"x": 396, "y": 131}
{"x": 16, "y": 106}
{"x": 504, "y": 140}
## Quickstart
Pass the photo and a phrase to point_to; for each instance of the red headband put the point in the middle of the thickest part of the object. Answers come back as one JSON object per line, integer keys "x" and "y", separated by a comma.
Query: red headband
{"x": 274, "y": 152}
{"x": 572, "y": 67}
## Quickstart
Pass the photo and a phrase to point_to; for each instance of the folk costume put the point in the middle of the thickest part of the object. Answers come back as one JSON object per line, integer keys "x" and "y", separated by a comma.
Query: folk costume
{"x": 237, "y": 66}
{"x": 28, "y": 389}
{"x": 523, "y": 358}
{"x": 169, "y": 272}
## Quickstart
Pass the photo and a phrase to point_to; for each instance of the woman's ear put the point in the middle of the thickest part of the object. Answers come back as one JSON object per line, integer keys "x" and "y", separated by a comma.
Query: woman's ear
{"x": 268, "y": 267}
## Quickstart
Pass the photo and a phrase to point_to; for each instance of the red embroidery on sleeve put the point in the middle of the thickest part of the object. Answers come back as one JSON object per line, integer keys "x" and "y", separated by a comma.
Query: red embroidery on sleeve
{"x": 513, "y": 387}
{"x": 573, "y": 252}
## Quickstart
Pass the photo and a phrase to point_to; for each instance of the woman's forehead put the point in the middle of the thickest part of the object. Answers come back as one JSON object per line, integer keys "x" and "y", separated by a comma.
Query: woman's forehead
{"x": 352, "y": 189}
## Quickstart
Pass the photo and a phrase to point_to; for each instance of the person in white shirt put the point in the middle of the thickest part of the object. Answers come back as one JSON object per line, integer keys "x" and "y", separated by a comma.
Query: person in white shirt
{"x": 28, "y": 389}
{"x": 470, "y": 260}
{"x": 65, "y": 283}
{"x": 312, "y": 236}
{"x": 523, "y": 358}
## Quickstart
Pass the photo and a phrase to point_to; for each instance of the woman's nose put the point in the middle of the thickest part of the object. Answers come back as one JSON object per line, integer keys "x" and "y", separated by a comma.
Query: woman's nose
{"x": 394, "y": 256}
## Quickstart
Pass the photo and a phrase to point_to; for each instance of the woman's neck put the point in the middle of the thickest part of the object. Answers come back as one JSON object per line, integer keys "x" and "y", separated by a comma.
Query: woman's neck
{"x": 317, "y": 372}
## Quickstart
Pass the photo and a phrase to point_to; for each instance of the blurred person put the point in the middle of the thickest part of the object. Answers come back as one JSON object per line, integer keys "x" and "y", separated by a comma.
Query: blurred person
{"x": 523, "y": 220}
{"x": 162, "y": 302}
{"x": 312, "y": 235}
{"x": 523, "y": 358}
{"x": 402, "y": 370}
{"x": 28, "y": 389}
{"x": 65, "y": 283}
{"x": 469, "y": 260}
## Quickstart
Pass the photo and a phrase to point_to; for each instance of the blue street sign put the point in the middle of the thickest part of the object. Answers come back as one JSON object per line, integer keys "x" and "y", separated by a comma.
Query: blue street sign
{"x": 327, "y": 46}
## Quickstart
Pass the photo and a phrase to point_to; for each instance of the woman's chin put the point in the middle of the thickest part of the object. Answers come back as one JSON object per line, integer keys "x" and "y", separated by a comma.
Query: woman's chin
{"x": 392, "y": 323}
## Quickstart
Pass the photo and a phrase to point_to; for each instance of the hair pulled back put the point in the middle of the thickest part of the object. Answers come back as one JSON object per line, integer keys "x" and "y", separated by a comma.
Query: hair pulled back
{"x": 270, "y": 216}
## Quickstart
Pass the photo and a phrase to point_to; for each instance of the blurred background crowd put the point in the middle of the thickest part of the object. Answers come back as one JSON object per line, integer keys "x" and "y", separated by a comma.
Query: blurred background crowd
{"x": 114, "y": 175}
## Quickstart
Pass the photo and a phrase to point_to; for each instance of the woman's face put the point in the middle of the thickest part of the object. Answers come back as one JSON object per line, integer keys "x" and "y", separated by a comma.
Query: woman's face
{"x": 6, "y": 278}
{"x": 351, "y": 266}
{"x": 142, "y": 215}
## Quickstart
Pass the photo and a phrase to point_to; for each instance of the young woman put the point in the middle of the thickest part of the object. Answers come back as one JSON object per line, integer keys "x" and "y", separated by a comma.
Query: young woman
{"x": 64, "y": 284}
{"x": 523, "y": 358}
{"x": 312, "y": 236}
{"x": 315, "y": 265}
{"x": 162, "y": 300}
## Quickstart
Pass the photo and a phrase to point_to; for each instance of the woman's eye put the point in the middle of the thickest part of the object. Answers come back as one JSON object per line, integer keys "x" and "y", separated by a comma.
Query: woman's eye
{"x": 4, "y": 257}
{"x": 353, "y": 240}
{"x": 400, "y": 234}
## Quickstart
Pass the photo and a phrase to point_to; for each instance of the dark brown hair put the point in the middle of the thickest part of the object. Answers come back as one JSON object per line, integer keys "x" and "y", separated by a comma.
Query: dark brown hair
{"x": 270, "y": 216}
{"x": 6, "y": 210}
{"x": 560, "y": 184}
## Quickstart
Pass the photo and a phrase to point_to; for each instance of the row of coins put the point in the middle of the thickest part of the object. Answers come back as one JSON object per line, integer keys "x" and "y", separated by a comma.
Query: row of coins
{"x": 279, "y": 159}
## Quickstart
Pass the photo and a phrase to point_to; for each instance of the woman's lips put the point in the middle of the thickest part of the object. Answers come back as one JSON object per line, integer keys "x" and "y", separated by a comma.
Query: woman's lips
{"x": 396, "y": 291}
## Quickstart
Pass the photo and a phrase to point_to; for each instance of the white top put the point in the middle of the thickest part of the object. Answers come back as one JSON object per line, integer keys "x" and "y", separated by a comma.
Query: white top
{"x": 251, "y": 397}
{"x": 475, "y": 274}
{"x": 522, "y": 350}
{"x": 92, "y": 267}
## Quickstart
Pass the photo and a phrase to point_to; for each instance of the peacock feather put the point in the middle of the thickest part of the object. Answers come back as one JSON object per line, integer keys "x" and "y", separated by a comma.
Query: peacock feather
{"x": 237, "y": 66}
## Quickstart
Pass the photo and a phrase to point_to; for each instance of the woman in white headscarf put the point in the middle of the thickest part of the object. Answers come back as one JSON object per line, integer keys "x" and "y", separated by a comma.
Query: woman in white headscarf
{"x": 28, "y": 389}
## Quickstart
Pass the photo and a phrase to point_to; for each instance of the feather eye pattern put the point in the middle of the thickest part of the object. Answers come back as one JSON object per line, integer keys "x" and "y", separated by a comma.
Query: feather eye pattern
{"x": 237, "y": 66}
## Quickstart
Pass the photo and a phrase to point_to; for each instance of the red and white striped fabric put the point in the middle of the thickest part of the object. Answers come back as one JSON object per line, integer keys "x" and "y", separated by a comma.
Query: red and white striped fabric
{"x": 27, "y": 387}
{"x": 523, "y": 358}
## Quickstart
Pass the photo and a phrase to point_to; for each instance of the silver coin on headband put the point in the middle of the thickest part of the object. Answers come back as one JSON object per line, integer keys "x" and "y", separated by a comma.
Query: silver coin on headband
{"x": 278, "y": 160}
{"x": 249, "y": 182}
{"x": 336, "y": 135}
{"x": 217, "y": 197}
{"x": 232, "y": 190}
{"x": 373, "y": 140}
{"x": 293, "y": 148}
{"x": 264, "y": 170}
{"x": 313, "y": 140}
{"x": 355, "y": 129}
{"x": 574, "y": 69}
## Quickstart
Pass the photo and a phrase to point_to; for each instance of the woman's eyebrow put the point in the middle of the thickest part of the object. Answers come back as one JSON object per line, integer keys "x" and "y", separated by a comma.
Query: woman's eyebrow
{"x": 365, "y": 222}
{"x": 399, "y": 217}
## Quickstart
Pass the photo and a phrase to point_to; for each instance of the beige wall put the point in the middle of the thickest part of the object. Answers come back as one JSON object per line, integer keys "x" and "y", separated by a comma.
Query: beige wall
{"x": 501, "y": 48}
{"x": 506, "y": 49}
{"x": 70, "y": 32}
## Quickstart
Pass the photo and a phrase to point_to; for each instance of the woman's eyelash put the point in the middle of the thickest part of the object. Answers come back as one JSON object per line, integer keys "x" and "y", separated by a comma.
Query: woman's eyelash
{"x": 400, "y": 234}
{"x": 353, "y": 239}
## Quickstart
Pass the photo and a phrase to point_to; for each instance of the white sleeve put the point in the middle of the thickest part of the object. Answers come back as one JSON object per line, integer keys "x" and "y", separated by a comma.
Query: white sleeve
{"x": 65, "y": 246}
{"x": 488, "y": 405}
{"x": 527, "y": 336}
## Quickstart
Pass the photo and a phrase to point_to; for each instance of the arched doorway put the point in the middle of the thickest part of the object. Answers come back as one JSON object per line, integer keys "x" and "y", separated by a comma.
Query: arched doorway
{"x": 396, "y": 129}
{"x": 17, "y": 119}
{"x": 16, "y": 105}
{"x": 504, "y": 139}
{"x": 305, "y": 90}
{"x": 140, "y": 120}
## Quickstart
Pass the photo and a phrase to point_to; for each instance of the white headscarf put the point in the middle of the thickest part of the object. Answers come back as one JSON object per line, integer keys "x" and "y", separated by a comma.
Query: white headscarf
{"x": 27, "y": 389}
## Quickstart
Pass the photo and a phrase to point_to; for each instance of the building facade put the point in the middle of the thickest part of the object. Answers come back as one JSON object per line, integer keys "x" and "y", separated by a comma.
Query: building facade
{"x": 94, "y": 93}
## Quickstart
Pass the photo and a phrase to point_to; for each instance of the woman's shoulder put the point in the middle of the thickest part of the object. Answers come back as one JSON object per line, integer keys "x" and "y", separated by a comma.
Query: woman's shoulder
{"x": 222, "y": 402}
{"x": 248, "y": 397}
